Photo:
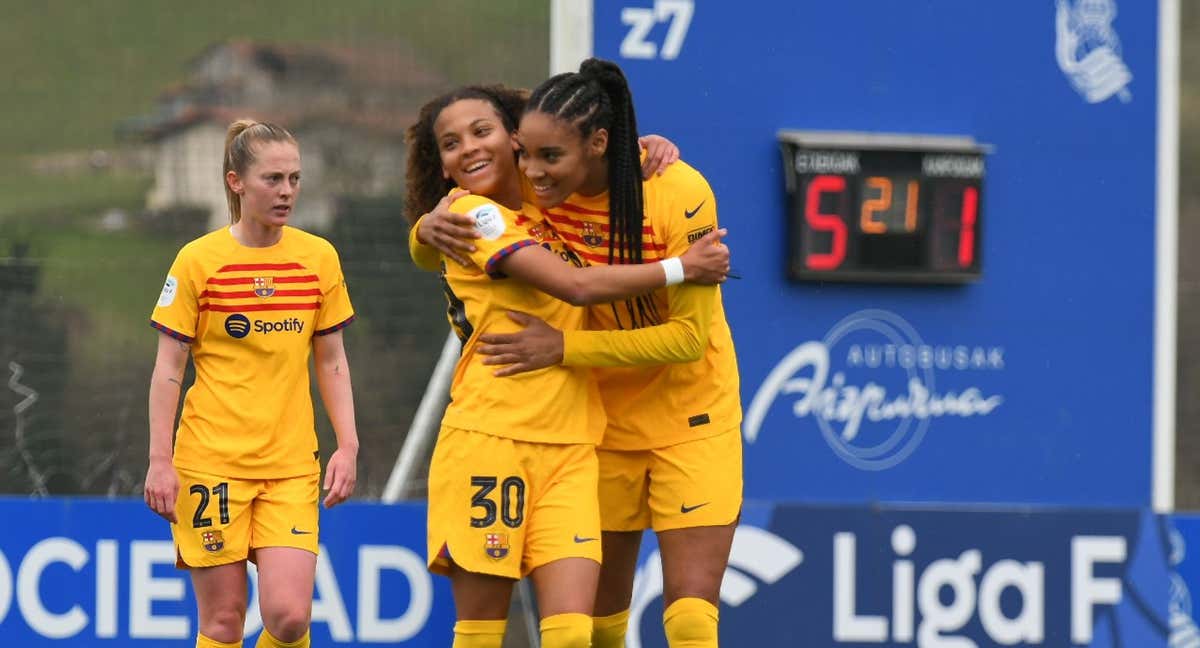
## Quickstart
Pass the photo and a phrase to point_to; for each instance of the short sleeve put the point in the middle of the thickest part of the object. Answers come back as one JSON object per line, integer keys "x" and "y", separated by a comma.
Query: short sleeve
{"x": 426, "y": 257}
{"x": 500, "y": 232}
{"x": 178, "y": 308}
{"x": 692, "y": 213}
{"x": 335, "y": 313}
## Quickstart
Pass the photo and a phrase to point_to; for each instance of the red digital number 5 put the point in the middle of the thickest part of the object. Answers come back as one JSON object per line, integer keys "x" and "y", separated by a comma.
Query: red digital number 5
{"x": 822, "y": 222}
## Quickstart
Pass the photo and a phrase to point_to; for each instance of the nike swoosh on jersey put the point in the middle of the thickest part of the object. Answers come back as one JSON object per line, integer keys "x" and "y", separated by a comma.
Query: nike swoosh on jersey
{"x": 296, "y": 531}
{"x": 688, "y": 213}
{"x": 579, "y": 540}
{"x": 684, "y": 508}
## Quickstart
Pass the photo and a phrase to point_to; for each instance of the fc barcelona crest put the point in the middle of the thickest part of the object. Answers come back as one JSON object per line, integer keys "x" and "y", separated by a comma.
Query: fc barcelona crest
{"x": 591, "y": 235}
{"x": 213, "y": 541}
{"x": 495, "y": 545}
{"x": 264, "y": 286}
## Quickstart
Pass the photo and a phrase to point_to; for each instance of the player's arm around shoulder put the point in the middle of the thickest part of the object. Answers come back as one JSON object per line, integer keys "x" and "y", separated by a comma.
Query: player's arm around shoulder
{"x": 498, "y": 235}
{"x": 441, "y": 231}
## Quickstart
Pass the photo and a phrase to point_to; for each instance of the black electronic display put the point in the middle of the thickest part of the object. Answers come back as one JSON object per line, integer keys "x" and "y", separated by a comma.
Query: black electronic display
{"x": 883, "y": 208}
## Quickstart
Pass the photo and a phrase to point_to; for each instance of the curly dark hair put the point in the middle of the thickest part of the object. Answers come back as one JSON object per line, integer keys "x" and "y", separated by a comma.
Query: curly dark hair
{"x": 423, "y": 175}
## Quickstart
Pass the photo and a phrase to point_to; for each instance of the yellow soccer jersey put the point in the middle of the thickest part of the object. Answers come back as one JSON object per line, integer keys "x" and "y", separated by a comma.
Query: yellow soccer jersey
{"x": 250, "y": 315}
{"x": 664, "y": 404}
{"x": 552, "y": 405}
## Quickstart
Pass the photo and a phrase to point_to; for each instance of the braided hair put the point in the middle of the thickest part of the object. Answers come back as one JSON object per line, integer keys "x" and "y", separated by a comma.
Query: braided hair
{"x": 423, "y": 175}
{"x": 598, "y": 97}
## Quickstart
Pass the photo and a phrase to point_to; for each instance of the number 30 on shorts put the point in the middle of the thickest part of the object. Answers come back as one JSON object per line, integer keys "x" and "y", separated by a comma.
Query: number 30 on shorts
{"x": 512, "y": 496}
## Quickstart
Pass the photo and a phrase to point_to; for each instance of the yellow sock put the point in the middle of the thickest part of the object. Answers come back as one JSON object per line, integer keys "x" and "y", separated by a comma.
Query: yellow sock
{"x": 205, "y": 642}
{"x": 267, "y": 640}
{"x": 691, "y": 623}
{"x": 572, "y": 630}
{"x": 479, "y": 634}
{"x": 609, "y": 631}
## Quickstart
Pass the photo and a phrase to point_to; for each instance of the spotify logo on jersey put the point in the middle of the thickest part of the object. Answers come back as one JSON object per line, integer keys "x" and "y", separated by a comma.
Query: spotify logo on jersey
{"x": 237, "y": 326}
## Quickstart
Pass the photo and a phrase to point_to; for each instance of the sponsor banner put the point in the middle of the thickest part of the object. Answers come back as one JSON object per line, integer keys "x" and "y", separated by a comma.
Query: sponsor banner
{"x": 940, "y": 578}
{"x": 1041, "y": 368}
{"x": 102, "y": 573}
{"x": 1183, "y": 552}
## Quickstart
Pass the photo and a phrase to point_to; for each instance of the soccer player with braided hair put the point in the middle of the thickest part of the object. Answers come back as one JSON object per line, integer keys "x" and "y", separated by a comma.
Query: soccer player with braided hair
{"x": 670, "y": 458}
{"x": 513, "y": 479}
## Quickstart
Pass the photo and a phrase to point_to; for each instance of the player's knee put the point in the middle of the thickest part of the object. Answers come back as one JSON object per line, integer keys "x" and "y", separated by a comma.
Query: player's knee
{"x": 571, "y": 630}
{"x": 287, "y": 624}
{"x": 224, "y": 623}
{"x": 703, "y": 581}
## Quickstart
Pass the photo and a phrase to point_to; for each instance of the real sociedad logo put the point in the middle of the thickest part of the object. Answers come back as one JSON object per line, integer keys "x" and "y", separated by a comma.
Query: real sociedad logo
{"x": 864, "y": 424}
{"x": 1088, "y": 49}
{"x": 757, "y": 552}
{"x": 1184, "y": 633}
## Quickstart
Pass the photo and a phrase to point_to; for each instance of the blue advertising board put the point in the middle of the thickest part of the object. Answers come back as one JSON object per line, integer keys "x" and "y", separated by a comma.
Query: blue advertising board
{"x": 1035, "y": 382}
{"x": 903, "y": 576}
{"x": 102, "y": 573}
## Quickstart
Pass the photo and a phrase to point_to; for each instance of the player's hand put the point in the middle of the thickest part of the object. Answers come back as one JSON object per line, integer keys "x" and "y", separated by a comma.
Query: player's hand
{"x": 707, "y": 260}
{"x": 447, "y": 231}
{"x": 536, "y": 346}
{"x": 341, "y": 474}
{"x": 162, "y": 489}
{"x": 660, "y": 154}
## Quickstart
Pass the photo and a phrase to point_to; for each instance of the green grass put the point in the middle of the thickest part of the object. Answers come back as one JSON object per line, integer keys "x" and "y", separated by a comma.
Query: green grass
{"x": 111, "y": 279}
{"x": 72, "y": 70}
{"x": 23, "y": 191}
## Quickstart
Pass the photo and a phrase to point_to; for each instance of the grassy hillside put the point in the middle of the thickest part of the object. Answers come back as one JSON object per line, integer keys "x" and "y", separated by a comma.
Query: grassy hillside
{"x": 73, "y": 69}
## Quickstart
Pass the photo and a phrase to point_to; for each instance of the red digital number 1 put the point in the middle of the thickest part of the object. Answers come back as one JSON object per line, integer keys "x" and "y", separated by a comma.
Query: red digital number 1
{"x": 821, "y": 222}
{"x": 966, "y": 236}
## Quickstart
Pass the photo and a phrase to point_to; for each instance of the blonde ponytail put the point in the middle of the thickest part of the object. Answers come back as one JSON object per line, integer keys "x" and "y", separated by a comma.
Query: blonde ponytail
{"x": 240, "y": 141}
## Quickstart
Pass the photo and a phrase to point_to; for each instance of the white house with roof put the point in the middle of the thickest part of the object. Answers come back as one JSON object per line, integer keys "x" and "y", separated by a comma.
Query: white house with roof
{"x": 348, "y": 107}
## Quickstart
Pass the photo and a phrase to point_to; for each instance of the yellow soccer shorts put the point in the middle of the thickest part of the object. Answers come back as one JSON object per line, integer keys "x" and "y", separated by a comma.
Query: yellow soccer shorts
{"x": 222, "y": 519}
{"x": 690, "y": 484}
{"x": 504, "y": 507}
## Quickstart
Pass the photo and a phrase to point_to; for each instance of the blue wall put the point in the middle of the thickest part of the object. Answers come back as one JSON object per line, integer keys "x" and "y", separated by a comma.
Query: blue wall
{"x": 1057, "y": 334}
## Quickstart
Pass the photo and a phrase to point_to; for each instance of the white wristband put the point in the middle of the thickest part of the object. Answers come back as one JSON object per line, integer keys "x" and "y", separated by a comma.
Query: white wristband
{"x": 673, "y": 268}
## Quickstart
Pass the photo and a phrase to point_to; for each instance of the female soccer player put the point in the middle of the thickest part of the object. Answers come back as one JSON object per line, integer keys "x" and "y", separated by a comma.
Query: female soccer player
{"x": 512, "y": 483}
{"x": 670, "y": 458}
{"x": 249, "y": 303}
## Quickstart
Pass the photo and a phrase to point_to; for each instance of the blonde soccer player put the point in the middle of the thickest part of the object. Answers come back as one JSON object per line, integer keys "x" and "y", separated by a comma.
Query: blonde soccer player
{"x": 250, "y": 303}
